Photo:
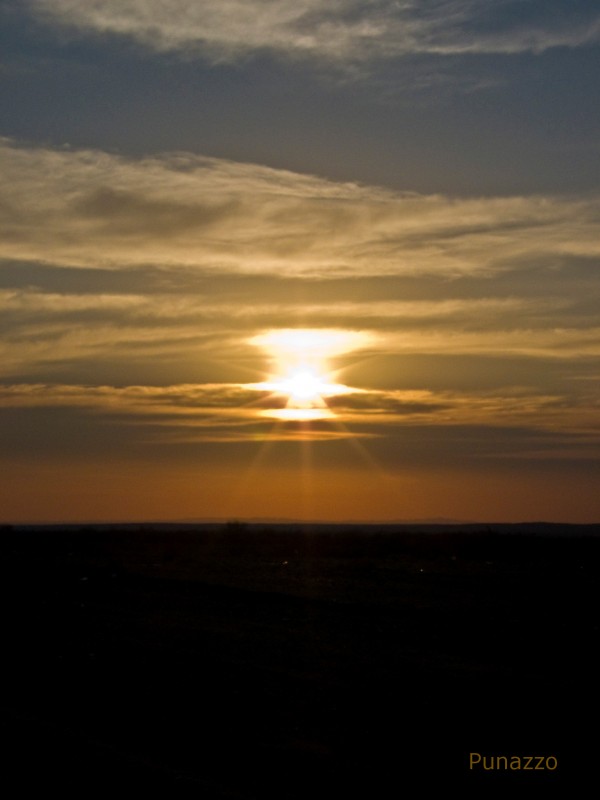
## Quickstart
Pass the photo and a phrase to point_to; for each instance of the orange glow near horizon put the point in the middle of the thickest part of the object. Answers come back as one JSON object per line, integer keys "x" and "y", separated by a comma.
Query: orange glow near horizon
{"x": 137, "y": 491}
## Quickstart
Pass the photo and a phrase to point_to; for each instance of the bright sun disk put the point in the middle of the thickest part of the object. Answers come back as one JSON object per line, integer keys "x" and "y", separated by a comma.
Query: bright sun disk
{"x": 300, "y": 361}
{"x": 304, "y": 385}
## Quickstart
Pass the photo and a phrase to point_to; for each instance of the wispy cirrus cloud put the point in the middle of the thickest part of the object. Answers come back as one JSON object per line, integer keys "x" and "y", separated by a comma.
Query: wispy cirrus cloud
{"x": 400, "y": 427}
{"x": 89, "y": 208}
{"x": 193, "y": 406}
{"x": 128, "y": 260}
{"x": 338, "y": 31}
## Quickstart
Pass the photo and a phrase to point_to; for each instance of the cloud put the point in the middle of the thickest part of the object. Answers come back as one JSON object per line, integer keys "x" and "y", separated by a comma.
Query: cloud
{"x": 92, "y": 209}
{"x": 338, "y": 31}
{"x": 106, "y": 259}
{"x": 196, "y": 406}
{"x": 208, "y": 423}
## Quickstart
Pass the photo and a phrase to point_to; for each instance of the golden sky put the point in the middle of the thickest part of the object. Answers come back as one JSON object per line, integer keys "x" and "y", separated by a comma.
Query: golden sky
{"x": 335, "y": 286}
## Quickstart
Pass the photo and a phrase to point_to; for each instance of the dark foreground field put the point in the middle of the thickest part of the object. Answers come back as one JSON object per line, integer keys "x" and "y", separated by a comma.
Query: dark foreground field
{"x": 271, "y": 662}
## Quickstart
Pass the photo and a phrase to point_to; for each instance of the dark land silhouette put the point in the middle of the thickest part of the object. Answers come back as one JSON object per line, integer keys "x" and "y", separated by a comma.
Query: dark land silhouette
{"x": 290, "y": 661}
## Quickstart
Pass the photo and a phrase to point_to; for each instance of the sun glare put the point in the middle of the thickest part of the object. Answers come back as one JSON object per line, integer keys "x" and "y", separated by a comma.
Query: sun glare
{"x": 309, "y": 345}
{"x": 305, "y": 385}
{"x": 301, "y": 370}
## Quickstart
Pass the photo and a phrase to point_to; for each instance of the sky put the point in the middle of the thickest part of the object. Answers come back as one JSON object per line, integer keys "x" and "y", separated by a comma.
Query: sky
{"x": 322, "y": 259}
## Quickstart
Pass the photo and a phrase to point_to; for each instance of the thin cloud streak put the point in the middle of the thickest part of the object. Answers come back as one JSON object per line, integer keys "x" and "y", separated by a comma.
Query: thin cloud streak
{"x": 88, "y": 208}
{"x": 342, "y": 32}
{"x": 57, "y": 329}
{"x": 237, "y": 404}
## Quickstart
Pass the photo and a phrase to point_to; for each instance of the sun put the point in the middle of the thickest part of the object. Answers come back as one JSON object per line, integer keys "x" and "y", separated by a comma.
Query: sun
{"x": 305, "y": 391}
{"x": 301, "y": 370}
{"x": 303, "y": 385}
